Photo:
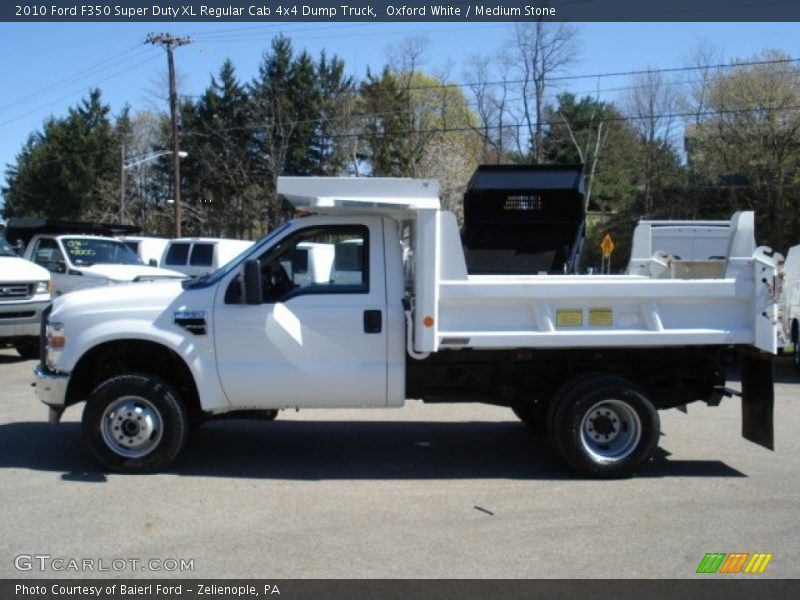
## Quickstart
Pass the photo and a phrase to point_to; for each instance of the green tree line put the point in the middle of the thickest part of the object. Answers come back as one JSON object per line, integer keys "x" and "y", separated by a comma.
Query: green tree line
{"x": 729, "y": 143}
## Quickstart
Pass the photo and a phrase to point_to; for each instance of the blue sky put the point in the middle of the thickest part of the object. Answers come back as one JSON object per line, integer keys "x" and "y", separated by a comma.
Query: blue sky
{"x": 49, "y": 67}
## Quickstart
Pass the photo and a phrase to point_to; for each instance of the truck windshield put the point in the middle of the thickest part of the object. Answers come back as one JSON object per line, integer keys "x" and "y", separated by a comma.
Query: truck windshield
{"x": 234, "y": 263}
{"x": 87, "y": 251}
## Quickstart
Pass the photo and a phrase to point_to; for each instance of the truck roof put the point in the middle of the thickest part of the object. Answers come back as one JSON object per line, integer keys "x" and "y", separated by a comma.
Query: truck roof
{"x": 326, "y": 195}
{"x": 24, "y": 229}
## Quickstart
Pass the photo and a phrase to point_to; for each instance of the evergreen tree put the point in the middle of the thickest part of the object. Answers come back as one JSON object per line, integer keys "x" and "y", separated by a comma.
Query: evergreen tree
{"x": 70, "y": 169}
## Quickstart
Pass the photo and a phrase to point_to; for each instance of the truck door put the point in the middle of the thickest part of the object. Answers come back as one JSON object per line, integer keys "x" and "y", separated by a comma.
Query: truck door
{"x": 313, "y": 341}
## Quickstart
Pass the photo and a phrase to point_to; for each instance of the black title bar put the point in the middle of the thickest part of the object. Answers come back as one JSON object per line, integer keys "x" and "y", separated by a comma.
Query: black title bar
{"x": 291, "y": 11}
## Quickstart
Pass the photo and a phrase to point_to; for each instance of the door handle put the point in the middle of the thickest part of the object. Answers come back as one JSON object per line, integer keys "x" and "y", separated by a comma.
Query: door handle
{"x": 373, "y": 321}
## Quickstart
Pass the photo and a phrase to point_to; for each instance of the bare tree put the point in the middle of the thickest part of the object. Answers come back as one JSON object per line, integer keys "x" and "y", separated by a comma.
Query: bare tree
{"x": 490, "y": 90}
{"x": 651, "y": 105}
{"x": 541, "y": 51}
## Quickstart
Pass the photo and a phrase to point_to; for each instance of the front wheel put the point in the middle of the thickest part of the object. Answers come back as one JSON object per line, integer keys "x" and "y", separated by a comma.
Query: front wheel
{"x": 605, "y": 427}
{"x": 135, "y": 423}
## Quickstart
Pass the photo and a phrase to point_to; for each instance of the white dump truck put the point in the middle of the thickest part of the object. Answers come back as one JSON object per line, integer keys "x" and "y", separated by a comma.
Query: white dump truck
{"x": 588, "y": 359}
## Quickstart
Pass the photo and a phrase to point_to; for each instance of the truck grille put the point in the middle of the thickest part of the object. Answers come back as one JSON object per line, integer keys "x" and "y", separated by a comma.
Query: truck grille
{"x": 15, "y": 291}
{"x": 17, "y": 315}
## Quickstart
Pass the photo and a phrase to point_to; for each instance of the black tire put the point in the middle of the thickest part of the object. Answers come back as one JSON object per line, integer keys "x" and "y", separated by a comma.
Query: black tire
{"x": 28, "y": 349}
{"x": 554, "y": 402}
{"x": 605, "y": 427}
{"x": 144, "y": 412}
{"x": 532, "y": 416}
{"x": 796, "y": 342}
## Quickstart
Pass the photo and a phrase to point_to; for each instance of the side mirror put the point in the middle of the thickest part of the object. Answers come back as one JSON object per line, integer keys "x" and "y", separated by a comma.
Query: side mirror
{"x": 61, "y": 266}
{"x": 252, "y": 282}
{"x": 152, "y": 262}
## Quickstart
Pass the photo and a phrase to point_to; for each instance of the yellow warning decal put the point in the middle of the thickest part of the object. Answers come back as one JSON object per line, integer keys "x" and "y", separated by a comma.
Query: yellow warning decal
{"x": 569, "y": 317}
{"x": 601, "y": 317}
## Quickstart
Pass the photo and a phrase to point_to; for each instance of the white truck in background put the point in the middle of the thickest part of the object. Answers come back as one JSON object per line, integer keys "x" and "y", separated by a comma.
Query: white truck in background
{"x": 198, "y": 257}
{"x": 24, "y": 295}
{"x": 684, "y": 248}
{"x": 148, "y": 249}
{"x": 78, "y": 259}
{"x": 791, "y": 302}
{"x": 589, "y": 359}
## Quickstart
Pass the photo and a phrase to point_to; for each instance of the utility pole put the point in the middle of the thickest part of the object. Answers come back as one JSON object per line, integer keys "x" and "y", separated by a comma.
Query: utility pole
{"x": 122, "y": 183}
{"x": 169, "y": 42}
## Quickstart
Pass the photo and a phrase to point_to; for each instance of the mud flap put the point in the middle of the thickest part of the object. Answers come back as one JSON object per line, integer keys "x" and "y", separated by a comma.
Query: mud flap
{"x": 758, "y": 399}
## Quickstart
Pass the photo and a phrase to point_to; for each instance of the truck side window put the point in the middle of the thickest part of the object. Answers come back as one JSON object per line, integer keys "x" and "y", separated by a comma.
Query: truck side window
{"x": 48, "y": 255}
{"x": 177, "y": 254}
{"x": 317, "y": 260}
{"x": 202, "y": 255}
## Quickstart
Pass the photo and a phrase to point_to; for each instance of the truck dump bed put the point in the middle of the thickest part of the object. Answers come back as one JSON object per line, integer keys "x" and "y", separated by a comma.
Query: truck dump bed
{"x": 453, "y": 309}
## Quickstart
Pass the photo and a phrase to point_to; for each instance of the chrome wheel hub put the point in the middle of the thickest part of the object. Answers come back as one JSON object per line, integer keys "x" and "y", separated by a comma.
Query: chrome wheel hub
{"x": 610, "y": 431}
{"x": 131, "y": 426}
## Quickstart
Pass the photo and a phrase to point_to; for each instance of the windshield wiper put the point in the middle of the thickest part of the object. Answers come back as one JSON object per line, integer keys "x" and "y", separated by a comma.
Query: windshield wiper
{"x": 190, "y": 283}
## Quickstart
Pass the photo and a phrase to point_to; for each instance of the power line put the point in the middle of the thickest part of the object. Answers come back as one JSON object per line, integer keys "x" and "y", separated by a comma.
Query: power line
{"x": 611, "y": 74}
{"x": 707, "y": 113}
{"x": 72, "y": 94}
{"x": 82, "y": 74}
{"x": 439, "y": 130}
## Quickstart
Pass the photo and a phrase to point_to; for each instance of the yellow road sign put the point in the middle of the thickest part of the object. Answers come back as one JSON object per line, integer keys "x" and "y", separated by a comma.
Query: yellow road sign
{"x": 607, "y": 246}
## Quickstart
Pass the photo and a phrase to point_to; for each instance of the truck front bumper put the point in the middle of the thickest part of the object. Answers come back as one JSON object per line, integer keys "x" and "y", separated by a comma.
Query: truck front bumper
{"x": 51, "y": 389}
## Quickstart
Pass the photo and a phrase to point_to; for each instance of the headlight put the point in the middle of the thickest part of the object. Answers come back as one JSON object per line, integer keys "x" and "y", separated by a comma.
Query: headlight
{"x": 43, "y": 287}
{"x": 55, "y": 339}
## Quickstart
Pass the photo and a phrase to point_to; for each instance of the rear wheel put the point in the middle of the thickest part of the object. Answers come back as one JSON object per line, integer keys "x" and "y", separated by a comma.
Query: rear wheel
{"x": 135, "y": 423}
{"x": 605, "y": 427}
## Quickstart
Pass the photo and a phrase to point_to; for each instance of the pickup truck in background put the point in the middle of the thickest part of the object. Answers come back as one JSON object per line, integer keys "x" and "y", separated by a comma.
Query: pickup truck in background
{"x": 24, "y": 295}
{"x": 588, "y": 359}
{"x": 79, "y": 260}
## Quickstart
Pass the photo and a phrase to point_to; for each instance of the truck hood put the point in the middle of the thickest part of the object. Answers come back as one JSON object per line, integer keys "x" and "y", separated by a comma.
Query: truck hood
{"x": 150, "y": 297}
{"x": 19, "y": 270}
{"x": 128, "y": 272}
